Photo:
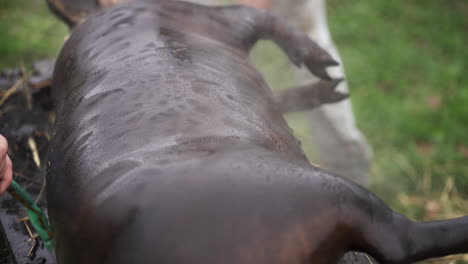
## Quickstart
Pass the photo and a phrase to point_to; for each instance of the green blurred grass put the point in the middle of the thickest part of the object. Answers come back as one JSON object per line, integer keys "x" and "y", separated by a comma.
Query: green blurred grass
{"x": 406, "y": 65}
{"x": 28, "y": 32}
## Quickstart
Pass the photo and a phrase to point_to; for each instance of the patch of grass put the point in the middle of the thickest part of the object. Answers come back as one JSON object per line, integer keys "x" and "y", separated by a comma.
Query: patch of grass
{"x": 28, "y": 32}
{"x": 406, "y": 63}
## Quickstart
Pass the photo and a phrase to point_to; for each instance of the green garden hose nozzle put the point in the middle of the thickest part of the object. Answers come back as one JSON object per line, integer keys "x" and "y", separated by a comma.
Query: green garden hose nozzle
{"x": 36, "y": 215}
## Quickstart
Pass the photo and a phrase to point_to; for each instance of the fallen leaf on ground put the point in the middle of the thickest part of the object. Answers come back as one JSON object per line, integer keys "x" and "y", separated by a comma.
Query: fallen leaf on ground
{"x": 433, "y": 101}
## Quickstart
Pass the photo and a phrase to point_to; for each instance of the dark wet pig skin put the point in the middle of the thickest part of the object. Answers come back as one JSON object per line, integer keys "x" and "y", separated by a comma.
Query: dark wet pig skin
{"x": 169, "y": 148}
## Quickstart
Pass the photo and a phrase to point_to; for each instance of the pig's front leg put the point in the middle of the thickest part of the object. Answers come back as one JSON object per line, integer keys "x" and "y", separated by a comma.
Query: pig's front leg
{"x": 310, "y": 96}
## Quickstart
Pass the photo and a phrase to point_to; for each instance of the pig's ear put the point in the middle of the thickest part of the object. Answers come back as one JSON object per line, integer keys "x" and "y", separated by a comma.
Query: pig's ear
{"x": 74, "y": 12}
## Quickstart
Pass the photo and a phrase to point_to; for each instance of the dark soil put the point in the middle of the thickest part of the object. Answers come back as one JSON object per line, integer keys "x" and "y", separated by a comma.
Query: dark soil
{"x": 24, "y": 116}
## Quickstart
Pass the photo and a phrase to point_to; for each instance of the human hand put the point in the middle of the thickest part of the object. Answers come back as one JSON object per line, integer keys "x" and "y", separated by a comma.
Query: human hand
{"x": 6, "y": 166}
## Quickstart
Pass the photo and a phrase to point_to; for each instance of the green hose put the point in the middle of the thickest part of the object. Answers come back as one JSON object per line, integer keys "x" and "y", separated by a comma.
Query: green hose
{"x": 36, "y": 215}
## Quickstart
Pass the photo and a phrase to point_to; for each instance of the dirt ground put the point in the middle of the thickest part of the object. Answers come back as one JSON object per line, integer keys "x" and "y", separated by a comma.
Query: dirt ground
{"x": 25, "y": 120}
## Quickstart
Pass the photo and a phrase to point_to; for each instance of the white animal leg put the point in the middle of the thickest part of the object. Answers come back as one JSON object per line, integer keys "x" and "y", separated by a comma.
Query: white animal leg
{"x": 339, "y": 144}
